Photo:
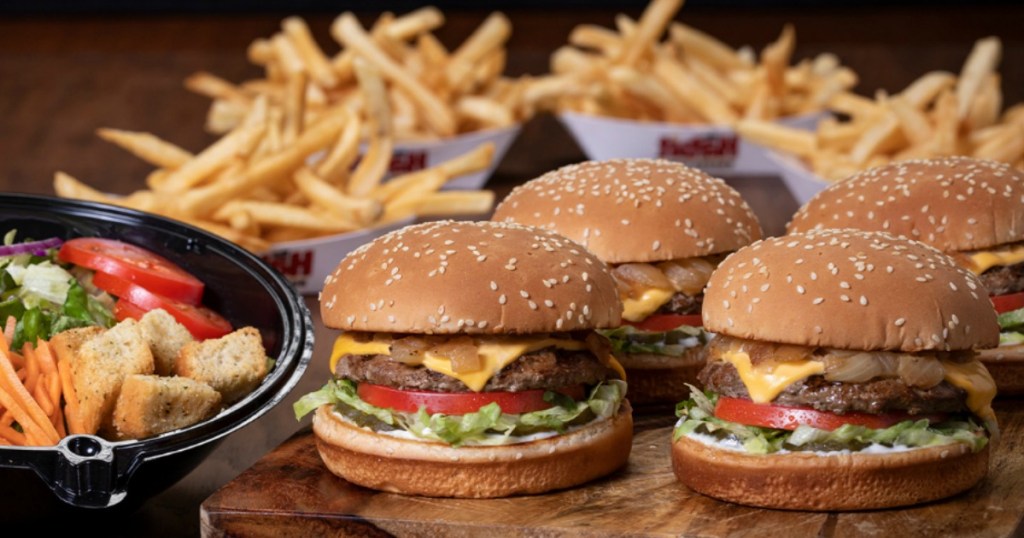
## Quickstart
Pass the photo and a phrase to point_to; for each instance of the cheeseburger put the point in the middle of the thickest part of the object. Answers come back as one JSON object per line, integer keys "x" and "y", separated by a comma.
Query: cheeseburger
{"x": 662, "y": 227}
{"x": 468, "y": 365}
{"x": 843, "y": 376}
{"x": 969, "y": 208}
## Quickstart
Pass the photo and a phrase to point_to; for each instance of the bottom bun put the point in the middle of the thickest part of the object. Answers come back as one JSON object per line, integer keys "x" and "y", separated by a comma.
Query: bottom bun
{"x": 661, "y": 379}
{"x": 812, "y": 481}
{"x": 1006, "y": 364}
{"x": 412, "y": 467}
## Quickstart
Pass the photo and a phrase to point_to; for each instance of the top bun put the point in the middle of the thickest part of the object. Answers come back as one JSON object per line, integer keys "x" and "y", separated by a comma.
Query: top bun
{"x": 952, "y": 203}
{"x": 470, "y": 277}
{"x": 849, "y": 289}
{"x": 635, "y": 210}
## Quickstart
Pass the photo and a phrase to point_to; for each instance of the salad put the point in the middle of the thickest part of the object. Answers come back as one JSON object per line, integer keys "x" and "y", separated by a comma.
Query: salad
{"x": 44, "y": 296}
{"x": 48, "y": 286}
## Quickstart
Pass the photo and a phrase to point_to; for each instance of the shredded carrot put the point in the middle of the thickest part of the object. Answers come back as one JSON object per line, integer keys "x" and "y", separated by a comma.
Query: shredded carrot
{"x": 22, "y": 416}
{"x": 13, "y": 436}
{"x": 7, "y": 418}
{"x": 43, "y": 399}
{"x": 49, "y": 368}
{"x": 58, "y": 422}
{"x": 70, "y": 398}
{"x": 9, "y": 325}
{"x": 32, "y": 366}
{"x": 9, "y": 381}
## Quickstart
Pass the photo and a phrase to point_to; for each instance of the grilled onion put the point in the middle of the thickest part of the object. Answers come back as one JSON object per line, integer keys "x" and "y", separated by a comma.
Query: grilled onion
{"x": 688, "y": 275}
{"x": 410, "y": 350}
{"x": 858, "y": 367}
{"x": 923, "y": 372}
{"x": 640, "y": 276}
{"x": 462, "y": 352}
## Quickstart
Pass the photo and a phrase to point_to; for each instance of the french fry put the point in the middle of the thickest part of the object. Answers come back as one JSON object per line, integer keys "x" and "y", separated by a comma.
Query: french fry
{"x": 363, "y": 211}
{"x": 710, "y": 50}
{"x": 147, "y": 147}
{"x": 415, "y": 24}
{"x": 798, "y": 141}
{"x": 455, "y": 203}
{"x": 493, "y": 33}
{"x": 695, "y": 94}
{"x": 347, "y": 30}
{"x": 212, "y": 158}
{"x": 981, "y": 62}
{"x": 651, "y": 25}
{"x": 215, "y": 87}
{"x": 312, "y": 56}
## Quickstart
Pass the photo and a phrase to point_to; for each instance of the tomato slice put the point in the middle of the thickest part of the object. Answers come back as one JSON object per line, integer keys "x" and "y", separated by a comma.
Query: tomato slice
{"x": 1008, "y": 302}
{"x": 666, "y": 322}
{"x": 782, "y": 417}
{"x": 124, "y": 310}
{"x": 459, "y": 403}
{"x": 202, "y": 322}
{"x": 135, "y": 264}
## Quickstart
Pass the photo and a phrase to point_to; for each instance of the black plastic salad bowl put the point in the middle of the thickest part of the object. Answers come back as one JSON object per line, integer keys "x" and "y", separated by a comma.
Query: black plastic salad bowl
{"x": 87, "y": 472}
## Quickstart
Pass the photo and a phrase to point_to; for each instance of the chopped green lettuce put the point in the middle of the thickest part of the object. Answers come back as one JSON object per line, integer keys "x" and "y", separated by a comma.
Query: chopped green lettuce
{"x": 697, "y": 415}
{"x": 487, "y": 426}
{"x": 45, "y": 298}
{"x": 629, "y": 339}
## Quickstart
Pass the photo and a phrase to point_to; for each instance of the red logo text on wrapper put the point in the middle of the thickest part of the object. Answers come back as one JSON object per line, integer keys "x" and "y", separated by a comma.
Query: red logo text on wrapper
{"x": 709, "y": 150}
{"x": 295, "y": 265}
{"x": 408, "y": 161}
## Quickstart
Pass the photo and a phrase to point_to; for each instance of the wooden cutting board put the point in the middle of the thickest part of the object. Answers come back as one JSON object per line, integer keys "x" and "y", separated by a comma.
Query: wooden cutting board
{"x": 290, "y": 493}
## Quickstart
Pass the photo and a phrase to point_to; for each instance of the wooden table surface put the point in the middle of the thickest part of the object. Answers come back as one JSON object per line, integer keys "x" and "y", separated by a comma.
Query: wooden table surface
{"x": 61, "y": 78}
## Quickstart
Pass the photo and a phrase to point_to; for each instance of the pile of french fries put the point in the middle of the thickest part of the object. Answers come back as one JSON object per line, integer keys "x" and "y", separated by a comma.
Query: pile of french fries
{"x": 434, "y": 93}
{"x": 939, "y": 114}
{"x": 293, "y": 165}
{"x": 689, "y": 77}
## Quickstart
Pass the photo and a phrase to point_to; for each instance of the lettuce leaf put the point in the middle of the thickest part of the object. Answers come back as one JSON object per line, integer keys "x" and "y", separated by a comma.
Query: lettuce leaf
{"x": 1012, "y": 320}
{"x": 487, "y": 426}
{"x": 629, "y": 339}
{"x": 697, "y": 415}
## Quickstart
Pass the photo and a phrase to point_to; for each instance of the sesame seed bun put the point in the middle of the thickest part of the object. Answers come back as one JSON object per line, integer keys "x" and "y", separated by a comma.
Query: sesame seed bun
{"x": 635, "y": 210}
{"x": 849, "y": 289}
{"x": 812, "y": 481}
{"x": 1006, "y": 364}
{"x": 659, "y": 380}
{"x": 470, "y": 278}
{"x": 437, "y": 470}
{"x": 952, "y": 203}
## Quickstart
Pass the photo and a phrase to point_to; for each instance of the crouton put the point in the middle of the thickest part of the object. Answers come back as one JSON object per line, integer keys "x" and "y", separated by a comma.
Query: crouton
{"x": 166, "y": 337}
{"x": 149, "y": 405}
{"x": 99, "y": 367}
{"x": 66, "y": 343}
{"x": 233, "y": 364}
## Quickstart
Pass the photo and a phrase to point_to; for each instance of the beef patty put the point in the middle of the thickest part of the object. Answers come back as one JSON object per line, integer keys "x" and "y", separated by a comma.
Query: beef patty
{"x": 874, "y": 396}
{"x": 680, "y": 303}
{"x": 1004, "y": 279}
{"x": 547, "y": 368}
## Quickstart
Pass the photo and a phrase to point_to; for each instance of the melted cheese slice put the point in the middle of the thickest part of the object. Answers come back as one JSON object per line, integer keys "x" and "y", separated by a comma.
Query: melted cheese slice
{"x": 766, "y": 380}
{"x": 975, "y": 380}
{"x": 982, "y": 261}
{"x": 647, "y": 304}
{"x": 495, "y": 354}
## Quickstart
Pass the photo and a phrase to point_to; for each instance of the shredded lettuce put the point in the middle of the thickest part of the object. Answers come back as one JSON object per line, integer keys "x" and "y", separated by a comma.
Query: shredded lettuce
{"x": 487, "y": 426}
{"x": 697, "y": 415}
{"x": 1011, "y": 325}
{"x": 629, "y": 339}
